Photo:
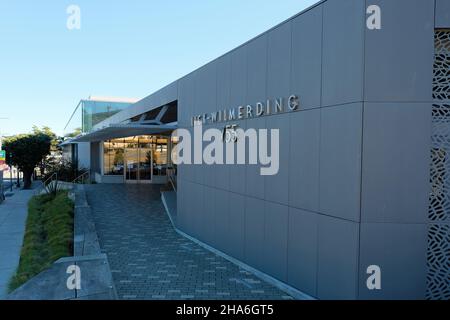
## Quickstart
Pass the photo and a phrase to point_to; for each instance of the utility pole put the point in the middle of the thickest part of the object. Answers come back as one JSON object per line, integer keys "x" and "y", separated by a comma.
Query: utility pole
{"x": 10, "y": 172}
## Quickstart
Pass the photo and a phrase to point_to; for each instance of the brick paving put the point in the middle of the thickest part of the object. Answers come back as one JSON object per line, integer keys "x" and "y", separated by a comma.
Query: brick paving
{"x": 150, "y": 260}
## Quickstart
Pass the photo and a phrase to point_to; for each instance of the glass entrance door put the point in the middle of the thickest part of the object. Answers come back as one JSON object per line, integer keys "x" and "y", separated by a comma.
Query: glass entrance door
{"x": 131, "y": 157}
{"x": 145, "y": 159}
{"x": 138, "y": 160}
{"x": 142, "y": 159}
{"x": 131, "y": 163}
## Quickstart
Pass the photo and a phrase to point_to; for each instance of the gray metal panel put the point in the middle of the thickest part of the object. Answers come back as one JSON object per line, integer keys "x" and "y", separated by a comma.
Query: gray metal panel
{"x": 209, "y": 216}
{"x": 190, "y": 210}
{"x": 186, "y": 100}
{"x": 182, "y": 186}
{"x": 399, "y": 57}
{"x": 276, "y": 240}
{"x": 304, "y": 160}
{"x": 237, "y": 172}
{"x": 337, "y": 259}
{"x": 221, "y": 224}
{"x": 209, "y": 174}
{"x": 238, "y": 76}
{"x": 306, "y": 74}
{"x": 256, "y": 70}
{"x": 340, "y": 161}
{"x": 222, "y": 172}
{"x": 184, "y": 216}
{"x": 198, "y": 170}
{"x": 189, "y": 169}
{"x": 198, "y": 212}
{"x": 236, "y": 232}
{"x": 343, "y": 35}
{"x": 166, "y": 94}
{"x": 205, "y": 89}
{"x": 163, "y": 96}
{"x": 254, "y": 232}
{"x": 222, "y": 177}
{"x": 224, "y": 82}
{"x": 238, "y": 97}
{"x": 209, "y": 171}
{"x": 254, "y": 180}
{"x": 237, "y": 178}
{"x": 181, "y": 172}
{"x": 198, "y": 173}
{"x": 275, "y": 185}
{"x": 302, "y": 250}
{"x": 396, "y": 162}
{"x": 442, "y": 14}
{"x": 400, "y": 250}
{"x": 279, "y": 61}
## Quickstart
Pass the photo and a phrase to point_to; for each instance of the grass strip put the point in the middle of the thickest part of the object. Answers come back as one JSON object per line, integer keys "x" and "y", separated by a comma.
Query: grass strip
{"x": 48, "y": 235}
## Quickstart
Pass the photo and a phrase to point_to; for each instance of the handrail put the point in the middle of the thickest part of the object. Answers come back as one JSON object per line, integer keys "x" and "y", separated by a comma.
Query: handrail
{"x": 46, "y": 183}
{"x": 54, "y": 177}
{"x": 82, "y": 177}
{"x": 51, "y": 178}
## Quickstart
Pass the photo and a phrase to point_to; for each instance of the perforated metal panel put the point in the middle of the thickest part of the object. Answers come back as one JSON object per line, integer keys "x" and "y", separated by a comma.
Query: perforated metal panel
{"x": 441, "y": 83}
{"x": 438, "y": 278}
{"x": 439, "y": 209}
{"x": 438, "y": 262}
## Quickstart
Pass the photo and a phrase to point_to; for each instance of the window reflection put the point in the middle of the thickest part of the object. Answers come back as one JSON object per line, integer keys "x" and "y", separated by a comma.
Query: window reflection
{"x": 137, "y": 158}
{"x": 113, "y": 157}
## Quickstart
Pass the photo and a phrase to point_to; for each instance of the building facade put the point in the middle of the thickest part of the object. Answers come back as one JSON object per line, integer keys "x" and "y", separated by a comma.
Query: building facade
{"x": 88, "y": 113}
{"x": 363, "y": 180}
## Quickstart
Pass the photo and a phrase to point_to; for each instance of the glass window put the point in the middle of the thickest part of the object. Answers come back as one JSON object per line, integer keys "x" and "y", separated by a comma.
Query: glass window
{"x": 136, "y": 156}
{"x": 113, "y": 157}
{"x": 145, "y": 158}
{"x": 94, "y": 112}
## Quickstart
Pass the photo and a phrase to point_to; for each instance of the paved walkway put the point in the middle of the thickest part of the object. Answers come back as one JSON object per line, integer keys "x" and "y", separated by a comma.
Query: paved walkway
{"x": 149, "y": 260}
{"x": 13, "y": 215}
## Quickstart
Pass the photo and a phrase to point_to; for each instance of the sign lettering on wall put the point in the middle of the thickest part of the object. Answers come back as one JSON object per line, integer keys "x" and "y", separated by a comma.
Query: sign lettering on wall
{"x": 230, "y": 134}
{"x": 276, "y": 106}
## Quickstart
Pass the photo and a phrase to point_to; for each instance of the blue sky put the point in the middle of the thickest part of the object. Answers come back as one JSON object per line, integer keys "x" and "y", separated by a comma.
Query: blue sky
{"x": 124, "y": 48}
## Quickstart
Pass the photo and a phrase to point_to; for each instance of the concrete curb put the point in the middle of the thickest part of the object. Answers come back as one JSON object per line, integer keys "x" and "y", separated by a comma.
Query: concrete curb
{"x": 88, "y": 253}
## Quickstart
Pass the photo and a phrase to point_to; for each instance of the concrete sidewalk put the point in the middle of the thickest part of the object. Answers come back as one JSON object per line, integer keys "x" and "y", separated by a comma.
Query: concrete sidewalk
{"x": 13, "y": 215}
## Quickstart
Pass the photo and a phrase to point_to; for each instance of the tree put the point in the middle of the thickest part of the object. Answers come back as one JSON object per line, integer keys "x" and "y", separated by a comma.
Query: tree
{"x": 55, "y": 150}
{"x": 76, "y": 132}
{"x": 26, "y": 151}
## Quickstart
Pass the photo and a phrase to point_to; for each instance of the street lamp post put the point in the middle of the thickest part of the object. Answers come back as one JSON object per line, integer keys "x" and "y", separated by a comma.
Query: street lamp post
{"x": 10, "y": 172}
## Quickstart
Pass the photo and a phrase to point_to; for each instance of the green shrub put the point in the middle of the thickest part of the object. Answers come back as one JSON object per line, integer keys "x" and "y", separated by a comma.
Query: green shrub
{"x": 48, "y": 235}
{"x": 66, "y": 170}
